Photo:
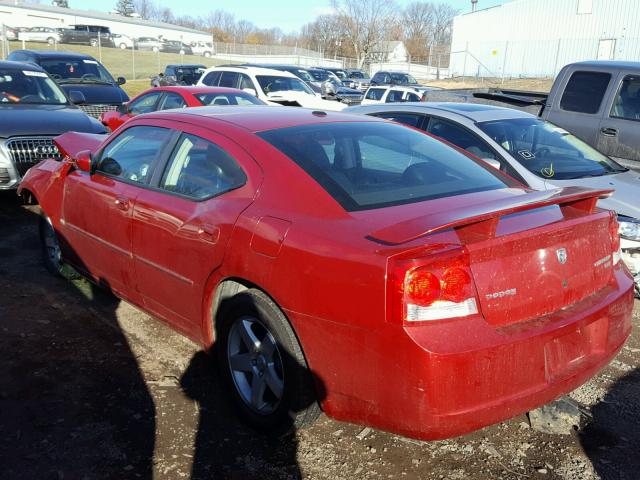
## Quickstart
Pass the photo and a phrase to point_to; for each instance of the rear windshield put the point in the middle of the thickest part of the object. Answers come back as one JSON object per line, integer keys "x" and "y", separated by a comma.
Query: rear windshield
{"x": 365, "y": 165}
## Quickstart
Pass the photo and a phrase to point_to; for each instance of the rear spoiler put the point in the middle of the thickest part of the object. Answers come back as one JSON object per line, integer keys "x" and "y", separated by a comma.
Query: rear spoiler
{"x": 70, "y": 143}
{"x": 520, "y": 98}
{"x": 480, "y": 221}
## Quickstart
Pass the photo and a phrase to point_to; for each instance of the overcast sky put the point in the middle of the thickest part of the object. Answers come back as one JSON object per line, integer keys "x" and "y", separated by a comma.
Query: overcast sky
{"x": 289, "y": 15}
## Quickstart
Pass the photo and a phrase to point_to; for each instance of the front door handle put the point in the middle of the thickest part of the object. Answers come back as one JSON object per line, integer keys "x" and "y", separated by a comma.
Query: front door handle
{"x": 209, "y": 233}
{"x": 122, "y": 203}
{"x": 609, "y": 132}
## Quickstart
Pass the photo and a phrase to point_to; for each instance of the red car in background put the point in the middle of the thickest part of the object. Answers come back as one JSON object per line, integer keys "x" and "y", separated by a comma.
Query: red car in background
{"x": 344, "y": 261}
{"x": 165, "y": 98}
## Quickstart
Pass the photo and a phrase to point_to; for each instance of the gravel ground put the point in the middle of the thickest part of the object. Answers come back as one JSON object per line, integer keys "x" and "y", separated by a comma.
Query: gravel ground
{"x": 94, "y": 389}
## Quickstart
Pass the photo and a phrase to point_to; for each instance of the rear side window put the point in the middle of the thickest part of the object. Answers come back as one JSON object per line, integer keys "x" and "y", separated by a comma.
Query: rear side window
{"x": 212, "y": 78}
{"x": 394, "y": 96}
{"x": 229, "y": 79}
{"x": 366, "y": 165}
{"x": 131, "y": 154}
{"x": 200, "y": 169}
{"x": 584, "y": 92}
{"x": 375, "y": 93}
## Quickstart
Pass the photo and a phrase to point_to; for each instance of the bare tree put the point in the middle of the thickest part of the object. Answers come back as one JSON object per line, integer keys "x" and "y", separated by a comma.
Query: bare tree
{"x": 147, "y": 9}
{"x": 364, "y": 24}
{"x": 442, "y": 22}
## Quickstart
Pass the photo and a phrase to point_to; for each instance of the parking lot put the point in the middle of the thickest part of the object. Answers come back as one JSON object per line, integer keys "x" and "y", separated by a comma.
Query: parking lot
{"x": 93, "y": 388}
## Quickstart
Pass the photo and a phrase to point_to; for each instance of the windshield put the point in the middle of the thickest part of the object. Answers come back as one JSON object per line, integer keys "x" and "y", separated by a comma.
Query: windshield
{"x": 357, "y": 75}
{"x": 227, "y": 99}
{"x": 365, "y": 165}
{"x": 547, "y": 150}
{"x": 77, "y": 70}
{"x": 272, "y": 83}
{"x": 341, "y": 74}
{"x": 189, "y": 75}
{"x": 403, "y": 78}
{"x": 319, "y": 75}
{"x": 303, "y": 74}
{"x": 28, "y": 86}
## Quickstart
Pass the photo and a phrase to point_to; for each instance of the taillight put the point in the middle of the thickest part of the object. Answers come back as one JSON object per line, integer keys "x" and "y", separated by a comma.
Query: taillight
{"x": 435, "y": 286}
{"x": 614, "y": 229}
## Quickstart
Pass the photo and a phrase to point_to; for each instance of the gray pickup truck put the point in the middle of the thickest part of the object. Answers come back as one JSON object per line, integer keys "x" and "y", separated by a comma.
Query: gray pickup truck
{"x": 597, "y": 101}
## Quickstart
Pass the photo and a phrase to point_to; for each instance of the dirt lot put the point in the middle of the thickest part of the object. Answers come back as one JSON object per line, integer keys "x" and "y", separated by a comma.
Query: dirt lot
{"x": 91, "y": 388}
{"x": 531, "y": 84}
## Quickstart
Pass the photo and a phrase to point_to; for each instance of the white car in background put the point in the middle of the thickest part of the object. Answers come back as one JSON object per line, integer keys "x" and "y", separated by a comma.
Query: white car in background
{"x": 533, "y": 151}
{"x": 390, "y": 94}
{"x": 122, "y": 41}
{"x": 274, "y": 87}
{"x": 40, "y": 34}
{"x": 204, "y": 49}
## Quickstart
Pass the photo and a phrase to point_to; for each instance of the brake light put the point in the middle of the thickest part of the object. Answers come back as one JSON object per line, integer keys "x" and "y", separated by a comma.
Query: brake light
{"x": 614, "y": 229}
{"x": 432, "y": 287}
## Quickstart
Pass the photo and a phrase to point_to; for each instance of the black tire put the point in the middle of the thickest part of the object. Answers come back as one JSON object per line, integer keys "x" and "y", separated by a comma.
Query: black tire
{"x": 93, "y": 42}
{"x": 51, "y": 40}
{"x": 297, "y": 407}
{"x": 123, "y": 46}
{"x": 51, "y": 253}
{"x": 206, "y": 54}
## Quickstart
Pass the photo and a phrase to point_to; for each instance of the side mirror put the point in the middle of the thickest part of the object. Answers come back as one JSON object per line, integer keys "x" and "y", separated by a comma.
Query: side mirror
{"x": 121, "y": 80}
{"x": 250, "y": 91}
{"x": 84, "y": 161}
{"x": 493, "y": 162}
{"x": 76, "y": 97}
{"x": 123, "y": 108}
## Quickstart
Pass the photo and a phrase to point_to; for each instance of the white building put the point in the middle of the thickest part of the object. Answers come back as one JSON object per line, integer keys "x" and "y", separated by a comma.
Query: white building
{"x": 538, "y": 37}
{"x": 33, "y": 15}
{"x": 394, "y": 51}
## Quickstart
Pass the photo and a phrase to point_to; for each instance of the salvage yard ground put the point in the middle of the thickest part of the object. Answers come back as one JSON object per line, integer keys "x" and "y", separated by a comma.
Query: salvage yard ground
{"x": 92, "y": 388}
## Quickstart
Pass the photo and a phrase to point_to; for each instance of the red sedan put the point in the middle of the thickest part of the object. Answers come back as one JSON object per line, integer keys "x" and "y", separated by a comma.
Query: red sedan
{"x": 165, "y": 98}
{"x": 343, "y": 261}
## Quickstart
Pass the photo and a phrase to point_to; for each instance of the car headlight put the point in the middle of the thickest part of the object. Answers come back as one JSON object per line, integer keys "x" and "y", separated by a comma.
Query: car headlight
{"x": 629, "y": 228}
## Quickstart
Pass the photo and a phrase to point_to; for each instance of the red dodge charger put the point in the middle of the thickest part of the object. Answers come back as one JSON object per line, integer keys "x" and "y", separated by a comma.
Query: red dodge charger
{"x": 342, "y": 262}
{"x": 166, "y": 98}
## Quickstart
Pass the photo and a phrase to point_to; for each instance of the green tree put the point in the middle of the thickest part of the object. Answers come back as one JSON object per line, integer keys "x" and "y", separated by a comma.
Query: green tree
{"x": 125, "y": 7}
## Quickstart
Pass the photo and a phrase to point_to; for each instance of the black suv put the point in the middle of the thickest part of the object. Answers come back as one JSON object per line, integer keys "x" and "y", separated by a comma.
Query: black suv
{"x": 394, "y": 78}
{"x": 82, "y": 74}
{"x": 179, "y": 74}
{"x": 87, "y": 35}
{"x": 33, "y": 110}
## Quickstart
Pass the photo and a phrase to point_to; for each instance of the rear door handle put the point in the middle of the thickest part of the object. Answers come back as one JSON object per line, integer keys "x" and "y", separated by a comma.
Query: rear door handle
{"x": 122, "y": 203}
{"x": 609, "y": 132}
{"x": 209, "y": 233}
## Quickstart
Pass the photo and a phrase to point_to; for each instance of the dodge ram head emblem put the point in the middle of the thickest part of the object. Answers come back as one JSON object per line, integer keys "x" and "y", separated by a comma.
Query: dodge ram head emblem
{"x": 561, "y": 253}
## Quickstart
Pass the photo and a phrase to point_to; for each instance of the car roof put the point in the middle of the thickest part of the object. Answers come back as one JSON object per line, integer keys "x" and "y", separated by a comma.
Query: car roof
{"x": 607, "y": 64}
{"x": 55, "y": 54}
{"x": 254, "y": 70}
{"x": 475, "y": 112}
{"x": 183, "y": 65}
{"x": 262, "y": 117}
{"x": 20, "y": 66}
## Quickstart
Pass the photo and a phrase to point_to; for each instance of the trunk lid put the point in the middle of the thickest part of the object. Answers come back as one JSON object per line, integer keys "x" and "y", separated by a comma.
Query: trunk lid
{"x": 529, "y": 255}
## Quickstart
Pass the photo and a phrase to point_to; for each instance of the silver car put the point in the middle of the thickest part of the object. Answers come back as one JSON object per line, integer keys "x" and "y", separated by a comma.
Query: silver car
{"x": 534, "y": 151}
{"x": 40, "y": 34}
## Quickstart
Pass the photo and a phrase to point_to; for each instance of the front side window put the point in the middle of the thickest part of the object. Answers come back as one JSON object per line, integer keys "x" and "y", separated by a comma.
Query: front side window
{"x": 229, "y": 79}
{"x": 200, "y": 169}
{"x": 394, "y": 96}
{"x": 548, "y": 151}
{"x": 365, "y": 165}
{"x": 627, "y": 102}
{"x": 460, "y": 137}
{"x": 29, "y": 86}
{"x": 272, "y": 83}
{"x": 412, "y": 97}
{"x": 403, "y": 79}
{"x": 131, "y": 154}
{"x": 584, "y": 92}
{"x": 245, "y": 82}
{"x": 375, "y": 94}
{"x": 144, "y": 104}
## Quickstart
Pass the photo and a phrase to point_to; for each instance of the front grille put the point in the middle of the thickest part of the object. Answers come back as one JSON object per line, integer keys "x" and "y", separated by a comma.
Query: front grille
{"x": 351, "y": 99}
{"x": 4, "y": 176}
{"x": 28, "y": 151}
{"x": 364, "y": 86}
{"x": 97, "y": 110}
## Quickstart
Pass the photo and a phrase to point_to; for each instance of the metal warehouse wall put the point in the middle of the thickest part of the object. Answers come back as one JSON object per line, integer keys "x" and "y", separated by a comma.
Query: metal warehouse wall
{"x": 47, "y": 16}
{"x": 529, "y": 38}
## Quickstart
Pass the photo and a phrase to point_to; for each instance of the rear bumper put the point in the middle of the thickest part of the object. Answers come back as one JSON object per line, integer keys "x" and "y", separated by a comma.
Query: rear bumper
{"x": 444, "y": 380}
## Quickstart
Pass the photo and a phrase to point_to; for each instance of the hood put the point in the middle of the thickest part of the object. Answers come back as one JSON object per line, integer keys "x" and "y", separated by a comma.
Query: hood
{"x": 19, "y": 120}
{"x": 97, "y": 94}
{"x": 293, "y": 98}
{"x": 625, "y": 197}
{"x": 347, "y": 91}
